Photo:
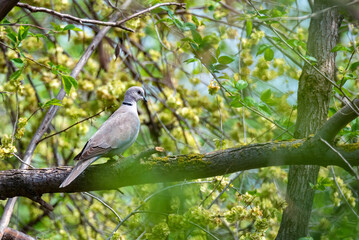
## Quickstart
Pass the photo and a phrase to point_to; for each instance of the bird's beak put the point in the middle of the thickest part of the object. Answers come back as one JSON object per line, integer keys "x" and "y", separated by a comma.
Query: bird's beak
{"x": 144, "y": 99}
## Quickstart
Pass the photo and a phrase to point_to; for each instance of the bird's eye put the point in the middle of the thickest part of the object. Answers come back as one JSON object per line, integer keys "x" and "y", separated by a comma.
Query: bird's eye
{"x": 139, "y": 92}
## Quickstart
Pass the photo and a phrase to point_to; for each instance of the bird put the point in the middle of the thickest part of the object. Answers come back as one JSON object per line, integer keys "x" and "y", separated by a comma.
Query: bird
{"x": 113, "y": 137}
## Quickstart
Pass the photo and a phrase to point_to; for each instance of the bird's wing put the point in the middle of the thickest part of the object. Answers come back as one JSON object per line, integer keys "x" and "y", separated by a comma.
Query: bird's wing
{"x": 117, "y": 132}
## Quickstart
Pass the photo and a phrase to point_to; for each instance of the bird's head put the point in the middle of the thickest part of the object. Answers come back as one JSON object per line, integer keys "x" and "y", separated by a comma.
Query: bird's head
{"x": 135, "y": 94}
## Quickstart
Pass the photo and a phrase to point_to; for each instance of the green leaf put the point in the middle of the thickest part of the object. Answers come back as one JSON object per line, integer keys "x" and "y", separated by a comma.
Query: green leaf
{"x": 38, "y": 36}
{"x": 190, "y": 26}
{"x": 344, "y": 90}
{"x": 196, "y": 36}
{"x": 23, "y": 31}
{"x": 187, "y": 39}
{"x": 220, "y": 66}
{"x": 340, "y": 47}
{"x": 190, "y": 60}
{"x": 249, "y": 26}
{"x": 195, "y": 20}
{"x": 53, "y": 101}
{"x": 241, "y": 85}
{"x": 170, "y": 14}
{"x": 265, "y": 108}
{"x": 354, "y": 125}
{"x": 266, "y": 95}
{"x": 268, "y": 54}
{"x": 225, "y": 59}
{"x": 73, "y": 81}
{"x": 179, "y": 24}
{"x": 262, "y": 48}
{"x": 236, "y": 102}
{"x": 159, "y": 9}
{"x": 18, "y": 62}
{"x": 311, "y": 59}
{"x": 249, "y": 101}
{"x": 218, "y": 52}
{"x": 68, "y": 82}
{"x": 56, "y": 26}
{"x": 354, "y": 66}
{"x": 15, "y": 75}
{"x": 71, "y": 27}
{"x": 12, "y": 37}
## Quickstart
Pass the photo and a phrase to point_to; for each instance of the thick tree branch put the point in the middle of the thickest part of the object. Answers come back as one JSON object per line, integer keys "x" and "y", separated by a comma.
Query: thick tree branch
{"x": 12, "y": 234}
{"x": 140, "y": 169}
{"x": 341, "y": 118}
{"x": 143, "y": 168}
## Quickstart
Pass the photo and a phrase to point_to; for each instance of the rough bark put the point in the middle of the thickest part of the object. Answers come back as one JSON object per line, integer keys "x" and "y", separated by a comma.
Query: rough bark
{"x": 12, "y": 234}
{"x": 313, "y": 103}
{"x": 32, "y": 183}
{"x": 145, "y": 169}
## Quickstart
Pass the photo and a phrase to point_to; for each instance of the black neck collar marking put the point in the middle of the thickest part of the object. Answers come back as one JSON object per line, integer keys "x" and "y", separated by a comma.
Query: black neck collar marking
{"x": 127, "y": 103}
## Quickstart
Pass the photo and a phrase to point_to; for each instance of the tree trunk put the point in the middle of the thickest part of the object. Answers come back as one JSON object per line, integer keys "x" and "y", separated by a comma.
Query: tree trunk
{"x": 313, "y": 103}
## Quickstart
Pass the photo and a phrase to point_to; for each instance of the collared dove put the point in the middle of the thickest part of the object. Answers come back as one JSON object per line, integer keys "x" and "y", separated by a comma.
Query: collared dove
{"x": 114, "y": 136}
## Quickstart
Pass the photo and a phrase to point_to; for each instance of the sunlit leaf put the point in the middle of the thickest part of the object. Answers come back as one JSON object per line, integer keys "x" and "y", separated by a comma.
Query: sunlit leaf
{"x": 268, "y": 54}
{"x": 241, "y": 85}
{"x": 225, "y": 59}
{"x": 53, "y": 101}
{"x": 17, "y": 62}
{"x": 249, "y": 27}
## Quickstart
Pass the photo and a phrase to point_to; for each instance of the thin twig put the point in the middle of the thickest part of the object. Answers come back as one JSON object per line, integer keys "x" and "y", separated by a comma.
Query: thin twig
{"x": 29, "y": 165}
{"x": 30, "y": 25}
{"x": 16, "y": 119}
{"x": 341, "y": 156}
{"x": 28, "y": 58}
{"x": 341, "y": 192}
{"x": 195, "y": 224}
{"x": 312, "y": 15}
{"x": 104, "y": 203}
{"x": 147, "y": 199}
{"x": 190, "y": 222}
{"x": 220, "y": 116}
{"x": 96, "y": 22}
{"x": 346, "y": 98}
{"x": 225, "y": 188}
{"x": 64, "y": 130}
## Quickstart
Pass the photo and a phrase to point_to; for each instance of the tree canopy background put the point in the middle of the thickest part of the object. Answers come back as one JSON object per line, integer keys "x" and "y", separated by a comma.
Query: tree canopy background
{"x": 218, "y": 74}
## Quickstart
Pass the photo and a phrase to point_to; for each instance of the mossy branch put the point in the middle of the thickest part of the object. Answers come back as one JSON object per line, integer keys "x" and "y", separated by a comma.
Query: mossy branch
{"x": 146, "y": 168}
{"x": 150, "y": 169}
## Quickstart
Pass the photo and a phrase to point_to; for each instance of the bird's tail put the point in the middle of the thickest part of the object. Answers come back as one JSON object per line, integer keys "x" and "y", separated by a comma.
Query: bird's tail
{"x": 77, "y": 170}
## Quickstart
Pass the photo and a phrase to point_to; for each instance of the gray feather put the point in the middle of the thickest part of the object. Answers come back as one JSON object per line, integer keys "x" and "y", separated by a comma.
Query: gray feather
{"x": 76, "y": 171}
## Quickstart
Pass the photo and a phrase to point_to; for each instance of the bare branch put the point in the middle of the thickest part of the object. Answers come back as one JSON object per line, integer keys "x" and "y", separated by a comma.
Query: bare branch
{"x": 147, "y": 199}
{"x": 341, "y": 118}
{"x": 312, "y": 15}
{"x": 143, "y": 168}
{"x": 64, "y": 130}
{"x": 82, "y": 21}
{"x": 104, "y": 203}
{"x": 15, "y": 235}
{"x": 341, "y": 156}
